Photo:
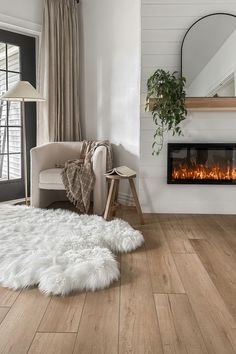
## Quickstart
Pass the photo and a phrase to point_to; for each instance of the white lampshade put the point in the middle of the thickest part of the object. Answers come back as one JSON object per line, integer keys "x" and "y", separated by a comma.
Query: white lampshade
{"x": 22, "y": 91}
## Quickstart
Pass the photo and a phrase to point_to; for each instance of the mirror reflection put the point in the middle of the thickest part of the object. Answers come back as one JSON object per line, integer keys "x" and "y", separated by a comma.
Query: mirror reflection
{"x": 209, "y": 57}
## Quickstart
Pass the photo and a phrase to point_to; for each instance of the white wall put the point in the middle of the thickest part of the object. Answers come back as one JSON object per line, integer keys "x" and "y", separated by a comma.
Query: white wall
{"x": 163, "y": 27}
{"x": 21, "y": 15}
{"x": 110, "y": 75}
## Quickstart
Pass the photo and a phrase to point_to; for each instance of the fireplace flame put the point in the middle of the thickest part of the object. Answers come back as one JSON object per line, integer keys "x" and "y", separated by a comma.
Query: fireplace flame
{"x": 197, "y": 171}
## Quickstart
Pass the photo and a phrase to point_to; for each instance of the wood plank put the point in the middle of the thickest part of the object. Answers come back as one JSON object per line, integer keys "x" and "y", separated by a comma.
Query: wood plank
{"x": 157, "y": 48}
{"x": 20, "y": 324}
{"x": 218, "y": 233}
{"x": 139, "y": 330}
{"x": 177, "y": 238}
{"x": 8, "y": 297}
{"x": 53, "y": 343}
{"x": 191, "y": 227}
{"x": 211, "y": 103}
{"x": 98, "y": 330}
{"x": 164, "y": 275}
{"x": 221, "y": 267}
{"x": 160, "y": 35}
{"x": 157, "y": 60}
{"x": 210, "y": 310}
{"x": 130, "y": 215}
{"x": 179, "y": 329}
{"x": 161, "y": 23}
{"x": 63, "y": 314}
{"x": 3, "y": 312}
{"x": 227, "y": 224}
{"x": 232, "y": 338}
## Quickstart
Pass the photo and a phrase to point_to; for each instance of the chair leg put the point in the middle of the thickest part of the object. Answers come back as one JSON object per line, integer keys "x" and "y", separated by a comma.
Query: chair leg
{"x": 110, "y": 200}
{"x": 138, "y": 207}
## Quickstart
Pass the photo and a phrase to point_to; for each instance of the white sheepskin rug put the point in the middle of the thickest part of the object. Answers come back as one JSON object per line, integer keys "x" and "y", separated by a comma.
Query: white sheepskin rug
{"x": 61, "y": 251}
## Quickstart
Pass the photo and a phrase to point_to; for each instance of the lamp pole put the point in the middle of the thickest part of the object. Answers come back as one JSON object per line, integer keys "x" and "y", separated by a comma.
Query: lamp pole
{"x": 24, "y": 150}
{"x": 23, "y": 92}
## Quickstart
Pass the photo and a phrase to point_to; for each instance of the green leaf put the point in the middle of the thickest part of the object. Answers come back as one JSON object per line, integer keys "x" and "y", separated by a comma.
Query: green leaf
{"x": 169, "y": 109}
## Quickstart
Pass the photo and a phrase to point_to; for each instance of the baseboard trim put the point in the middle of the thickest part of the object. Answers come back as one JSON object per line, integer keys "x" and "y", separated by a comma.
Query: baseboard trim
{"x": 13, "y": 202}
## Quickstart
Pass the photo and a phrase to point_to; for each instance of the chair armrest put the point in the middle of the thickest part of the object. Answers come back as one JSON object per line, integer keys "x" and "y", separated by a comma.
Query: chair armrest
{"x": 100, "y": 188}
{"x": 99, "y": 161}
{"x": 43, "y": 157}
{"x": 46, "y": 156}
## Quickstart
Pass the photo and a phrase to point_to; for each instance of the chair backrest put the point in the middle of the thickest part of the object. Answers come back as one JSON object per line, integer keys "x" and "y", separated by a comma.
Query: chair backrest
{"x": 65, "y": 151}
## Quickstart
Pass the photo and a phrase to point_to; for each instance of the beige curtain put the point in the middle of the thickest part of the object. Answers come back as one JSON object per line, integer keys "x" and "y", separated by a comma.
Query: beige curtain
{"x": 58, "y": 117}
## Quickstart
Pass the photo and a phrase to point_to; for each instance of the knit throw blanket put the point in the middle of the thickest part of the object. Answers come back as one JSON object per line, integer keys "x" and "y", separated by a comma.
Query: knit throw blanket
{"x": 78, "y": 176}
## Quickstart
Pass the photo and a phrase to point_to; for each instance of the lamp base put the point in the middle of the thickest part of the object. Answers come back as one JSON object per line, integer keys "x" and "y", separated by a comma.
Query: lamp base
{"x": 27, "y": 202}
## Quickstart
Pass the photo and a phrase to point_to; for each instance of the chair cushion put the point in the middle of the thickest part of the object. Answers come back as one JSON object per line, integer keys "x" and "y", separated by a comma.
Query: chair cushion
{"x": 51, "y": 179}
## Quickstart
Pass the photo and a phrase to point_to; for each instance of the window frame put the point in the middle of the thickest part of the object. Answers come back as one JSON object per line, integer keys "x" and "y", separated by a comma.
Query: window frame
{"x": 7, "y": 126}
{"x": 14, "y": 189}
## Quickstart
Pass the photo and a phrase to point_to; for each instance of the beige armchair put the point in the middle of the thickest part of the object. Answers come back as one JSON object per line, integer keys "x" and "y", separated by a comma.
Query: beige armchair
{"x": 46, "y": 182}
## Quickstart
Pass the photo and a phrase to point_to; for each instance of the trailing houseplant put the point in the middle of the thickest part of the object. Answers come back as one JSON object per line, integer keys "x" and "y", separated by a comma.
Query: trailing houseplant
{"x": 166, "y": 100}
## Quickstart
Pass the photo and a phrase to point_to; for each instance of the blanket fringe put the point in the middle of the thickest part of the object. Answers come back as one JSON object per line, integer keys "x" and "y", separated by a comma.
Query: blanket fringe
{"x": 75, "y": 202}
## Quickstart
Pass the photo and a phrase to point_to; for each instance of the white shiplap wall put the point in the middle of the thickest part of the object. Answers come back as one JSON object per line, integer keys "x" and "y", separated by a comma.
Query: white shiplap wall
{"x": 163, "y": 26}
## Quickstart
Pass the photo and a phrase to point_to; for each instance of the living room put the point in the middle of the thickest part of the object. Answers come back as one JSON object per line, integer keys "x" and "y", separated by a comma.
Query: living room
{"x": 117, "y": 176}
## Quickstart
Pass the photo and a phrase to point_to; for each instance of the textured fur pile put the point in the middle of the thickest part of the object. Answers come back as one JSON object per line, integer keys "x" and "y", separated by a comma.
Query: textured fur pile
{"x": 60, "y": 251}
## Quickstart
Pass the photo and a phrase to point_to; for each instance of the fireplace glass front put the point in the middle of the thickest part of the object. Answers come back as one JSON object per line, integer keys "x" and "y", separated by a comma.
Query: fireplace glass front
{"x": 201, "y": 163}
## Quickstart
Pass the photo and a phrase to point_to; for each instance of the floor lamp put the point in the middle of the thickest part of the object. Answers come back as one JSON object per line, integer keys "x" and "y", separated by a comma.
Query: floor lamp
{"x": 23, "y": 92}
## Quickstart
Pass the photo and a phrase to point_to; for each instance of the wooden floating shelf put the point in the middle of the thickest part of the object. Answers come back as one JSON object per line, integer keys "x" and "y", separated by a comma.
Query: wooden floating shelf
{"x": 199, "y": 104}
{"x": 211, "y": 104}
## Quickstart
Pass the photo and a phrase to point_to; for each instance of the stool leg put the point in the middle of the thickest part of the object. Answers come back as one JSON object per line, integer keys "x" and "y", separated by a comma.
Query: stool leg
{"x": 110, "y": 200}
{"x": 116, "y": 196}
{"x": 138, "y": 207}
{"x": 117, "y": 189}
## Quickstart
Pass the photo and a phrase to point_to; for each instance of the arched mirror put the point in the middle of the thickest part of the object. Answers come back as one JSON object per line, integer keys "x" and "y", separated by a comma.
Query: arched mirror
{"x": 208, "y": 62}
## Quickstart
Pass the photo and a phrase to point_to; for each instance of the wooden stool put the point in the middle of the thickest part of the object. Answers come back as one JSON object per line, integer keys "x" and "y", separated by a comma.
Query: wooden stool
{"x": 112, "y": 204}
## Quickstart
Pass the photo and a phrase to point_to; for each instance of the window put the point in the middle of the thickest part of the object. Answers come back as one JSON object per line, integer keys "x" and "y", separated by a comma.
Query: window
{"x": 17, "y": 62}
{"x": 10, "y": 115}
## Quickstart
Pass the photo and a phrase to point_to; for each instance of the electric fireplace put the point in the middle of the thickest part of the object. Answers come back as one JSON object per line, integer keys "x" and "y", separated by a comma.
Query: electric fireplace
{"x": 201, "y": 163}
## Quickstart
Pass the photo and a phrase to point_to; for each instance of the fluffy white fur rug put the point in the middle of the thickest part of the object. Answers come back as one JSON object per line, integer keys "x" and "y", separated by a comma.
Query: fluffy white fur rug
{"x": 60, "y": 251}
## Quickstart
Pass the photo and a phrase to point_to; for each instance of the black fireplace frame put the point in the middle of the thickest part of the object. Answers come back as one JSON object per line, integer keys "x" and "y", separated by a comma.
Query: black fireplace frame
{"x": 215, "y": 146}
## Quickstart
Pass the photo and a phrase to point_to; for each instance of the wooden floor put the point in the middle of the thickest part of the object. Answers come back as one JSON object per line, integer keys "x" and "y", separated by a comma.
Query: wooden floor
{"x": 177, "y": 294}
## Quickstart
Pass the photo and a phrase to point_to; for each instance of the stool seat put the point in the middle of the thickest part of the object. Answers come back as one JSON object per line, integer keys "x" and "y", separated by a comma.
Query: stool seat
{"x": 112, "y": 205}
{"x": 119, "y": 177}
